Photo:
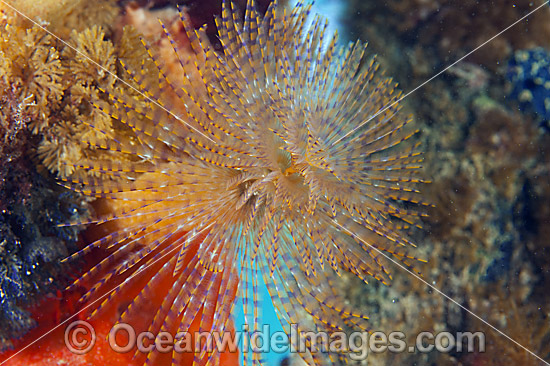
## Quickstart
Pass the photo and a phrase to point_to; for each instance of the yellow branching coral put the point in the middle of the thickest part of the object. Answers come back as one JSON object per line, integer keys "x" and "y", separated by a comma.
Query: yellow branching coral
{"x": 58, "y": 147}
{"x": 62, "y": 85}
{"x": 30, "y": 63}
{"x": 90, "y": 68}
{"x": 92, "y": 49}
{"x": 284, "y": 153}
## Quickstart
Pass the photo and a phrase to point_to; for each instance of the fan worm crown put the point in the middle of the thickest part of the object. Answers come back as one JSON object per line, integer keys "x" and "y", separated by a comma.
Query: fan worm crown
{"x": 243, "y": 166}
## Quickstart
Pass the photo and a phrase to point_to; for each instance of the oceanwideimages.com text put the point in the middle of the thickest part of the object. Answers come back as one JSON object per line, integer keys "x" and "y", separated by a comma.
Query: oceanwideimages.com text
{"x": 80, "y": 338}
